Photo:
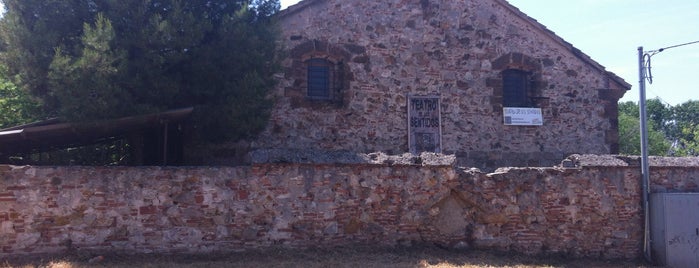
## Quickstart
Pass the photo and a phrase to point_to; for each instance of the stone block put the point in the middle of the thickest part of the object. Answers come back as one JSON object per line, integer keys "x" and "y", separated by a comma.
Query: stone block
{"x": 7, "y": 227}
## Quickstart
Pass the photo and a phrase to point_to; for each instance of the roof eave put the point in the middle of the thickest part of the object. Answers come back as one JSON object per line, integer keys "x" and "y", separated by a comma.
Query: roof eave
{"x": 303, "y": 4}
{"x": 577, "y": 52}
{"x": 293, "y": 9}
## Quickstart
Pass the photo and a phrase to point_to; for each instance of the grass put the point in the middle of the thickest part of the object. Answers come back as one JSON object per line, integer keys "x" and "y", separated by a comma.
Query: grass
{"x": 431, "y": 257}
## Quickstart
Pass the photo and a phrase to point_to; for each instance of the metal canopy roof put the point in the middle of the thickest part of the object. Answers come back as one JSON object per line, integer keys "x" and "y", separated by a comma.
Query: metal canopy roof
{"x": 52, "y": 134}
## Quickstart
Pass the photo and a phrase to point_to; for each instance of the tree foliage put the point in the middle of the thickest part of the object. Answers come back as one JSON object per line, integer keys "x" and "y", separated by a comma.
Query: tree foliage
{"x": 16, "y": 106}
{"x": 673, "y": 130}
{"x": 630, "y": 135}
{"x": 684, "y": 126}
{"x": 88, "y": 83}
{"x": 96, "y": 59}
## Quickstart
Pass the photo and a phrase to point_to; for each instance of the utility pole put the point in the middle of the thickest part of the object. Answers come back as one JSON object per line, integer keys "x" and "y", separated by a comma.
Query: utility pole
{"x": 644, "y": 152}
{"x": 644, "y": 72}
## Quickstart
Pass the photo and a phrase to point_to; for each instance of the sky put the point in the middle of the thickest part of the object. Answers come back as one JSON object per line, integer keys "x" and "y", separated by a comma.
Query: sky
{"x": 611, "y": 31}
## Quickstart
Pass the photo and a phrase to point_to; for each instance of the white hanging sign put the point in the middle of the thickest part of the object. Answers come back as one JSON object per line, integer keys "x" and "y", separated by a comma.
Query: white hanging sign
{"x": 515, "y": 116}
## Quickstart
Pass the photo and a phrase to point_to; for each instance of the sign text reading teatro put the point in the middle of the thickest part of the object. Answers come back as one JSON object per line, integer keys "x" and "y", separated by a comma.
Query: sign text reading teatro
{"x": 425, "y": 113}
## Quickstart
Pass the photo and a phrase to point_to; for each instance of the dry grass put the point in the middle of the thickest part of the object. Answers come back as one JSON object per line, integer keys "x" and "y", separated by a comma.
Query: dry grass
{"x": 335, "y": 258}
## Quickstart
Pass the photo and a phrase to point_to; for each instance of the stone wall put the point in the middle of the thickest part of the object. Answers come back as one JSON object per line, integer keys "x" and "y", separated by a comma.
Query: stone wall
{"x": 386, "y": 50}
{"x": 582, "y": 211}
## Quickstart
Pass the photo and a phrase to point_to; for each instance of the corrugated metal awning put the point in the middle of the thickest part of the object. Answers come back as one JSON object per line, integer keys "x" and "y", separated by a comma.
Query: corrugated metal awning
{"x": 52, "y": 134}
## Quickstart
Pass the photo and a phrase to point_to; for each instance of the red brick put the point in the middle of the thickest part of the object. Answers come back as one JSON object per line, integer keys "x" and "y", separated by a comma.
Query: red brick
{"x": 146, "y": 210}
{"x": 16, "y": 188}
{"x": 243, "y": 194}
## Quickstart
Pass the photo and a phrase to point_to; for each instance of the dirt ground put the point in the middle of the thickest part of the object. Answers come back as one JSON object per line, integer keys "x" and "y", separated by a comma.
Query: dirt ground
{"x": 335, "y": 258}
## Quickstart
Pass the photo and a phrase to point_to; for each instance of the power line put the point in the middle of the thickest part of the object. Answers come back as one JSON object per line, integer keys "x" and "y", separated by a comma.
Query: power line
{"x": 680, "y": 45}
{"x": 661, "y": 99}
{"x": 647, "y": 56}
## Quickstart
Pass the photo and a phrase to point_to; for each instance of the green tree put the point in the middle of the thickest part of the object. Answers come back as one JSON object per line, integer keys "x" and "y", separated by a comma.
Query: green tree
{"x": 31, "y": 30}
{"x": 87, "y": 85}
{"x": 630, "y": 135}
{"x": 96, "y": 59}
{"x": 16, "y": 106}
{"x": 684, "y": 129}
{"x": 659, "y": 114}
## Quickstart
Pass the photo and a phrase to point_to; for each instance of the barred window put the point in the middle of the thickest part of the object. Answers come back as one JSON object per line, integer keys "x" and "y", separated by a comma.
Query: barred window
{"x": 516, "y": 88}
{"x": 319, "y": 79}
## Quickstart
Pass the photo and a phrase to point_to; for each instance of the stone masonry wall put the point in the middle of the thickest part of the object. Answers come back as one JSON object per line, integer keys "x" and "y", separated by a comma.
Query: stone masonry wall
{"x": 582, "y": 211}
{"x": 388, "y": 49}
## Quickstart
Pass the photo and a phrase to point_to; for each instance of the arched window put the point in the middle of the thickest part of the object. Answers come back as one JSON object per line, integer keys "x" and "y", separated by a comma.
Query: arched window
{"x": 515, "y": 88}
{"x": 319, "y": 79}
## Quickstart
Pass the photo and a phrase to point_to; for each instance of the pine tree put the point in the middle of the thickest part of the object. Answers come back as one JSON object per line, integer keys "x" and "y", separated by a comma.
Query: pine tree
{"x": 86, "y": 85}
{"x": 16, "y": 106}
{"x": 97, "y": 59}
{"x": 31, "y": 30}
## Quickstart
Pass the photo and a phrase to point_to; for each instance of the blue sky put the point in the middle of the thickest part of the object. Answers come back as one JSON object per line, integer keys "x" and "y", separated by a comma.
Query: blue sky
{"x": 610, "y": 31}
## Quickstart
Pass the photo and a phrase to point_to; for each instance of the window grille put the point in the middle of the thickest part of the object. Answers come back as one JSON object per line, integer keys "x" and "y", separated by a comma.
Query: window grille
{"x": 515, "y": 88}
{"x": 319, "y": 71}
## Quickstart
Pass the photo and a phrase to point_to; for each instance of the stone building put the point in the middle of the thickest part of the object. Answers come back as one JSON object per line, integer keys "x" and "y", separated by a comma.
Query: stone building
{"x": 401, "y": 76}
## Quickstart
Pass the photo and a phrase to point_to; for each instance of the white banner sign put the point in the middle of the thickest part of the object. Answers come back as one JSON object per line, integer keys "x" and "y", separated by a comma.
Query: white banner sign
{"x": 523, "y": 116}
